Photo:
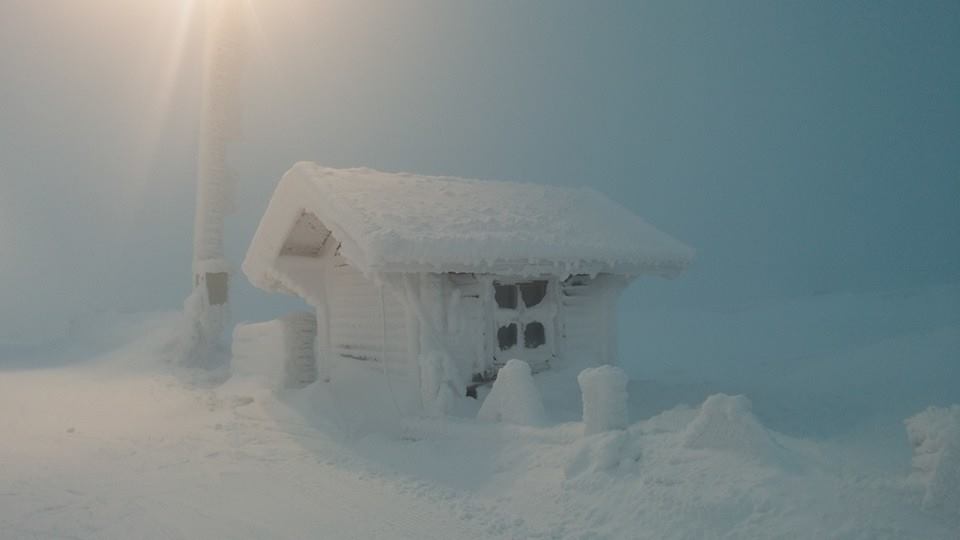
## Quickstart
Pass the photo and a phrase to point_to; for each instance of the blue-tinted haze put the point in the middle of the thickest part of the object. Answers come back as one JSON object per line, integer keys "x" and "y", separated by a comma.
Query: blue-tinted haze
{"x": 801, "y": 147}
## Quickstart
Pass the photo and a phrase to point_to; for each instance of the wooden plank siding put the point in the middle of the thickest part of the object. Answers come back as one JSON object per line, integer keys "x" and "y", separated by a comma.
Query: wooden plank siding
{"x": 357, "y": 328}
{"x": 583, "y": 319}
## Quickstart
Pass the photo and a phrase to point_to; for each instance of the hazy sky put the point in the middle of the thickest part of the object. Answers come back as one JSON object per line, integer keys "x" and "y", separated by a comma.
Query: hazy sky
{"x": 800, "y": 147}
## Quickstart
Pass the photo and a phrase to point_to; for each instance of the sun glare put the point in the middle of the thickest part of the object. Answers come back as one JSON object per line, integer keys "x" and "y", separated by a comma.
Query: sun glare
{"x": 182, "y": 48}
{"x": 176, "y": 53}
{"x": 175, "y": 25}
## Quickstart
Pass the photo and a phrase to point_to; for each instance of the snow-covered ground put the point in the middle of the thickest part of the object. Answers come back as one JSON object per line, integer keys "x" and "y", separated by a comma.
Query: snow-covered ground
{"x": 101, "y": 438}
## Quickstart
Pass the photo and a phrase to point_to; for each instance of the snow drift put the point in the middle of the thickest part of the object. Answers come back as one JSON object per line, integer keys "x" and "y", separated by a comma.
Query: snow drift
{"x": 514, "y": 397}
{"x": 149, "y": 456}
{"x": 935, "y": 436}
{"x": 727, "y": 423}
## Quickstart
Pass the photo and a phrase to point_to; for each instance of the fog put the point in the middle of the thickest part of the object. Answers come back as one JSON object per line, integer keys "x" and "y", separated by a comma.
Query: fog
{"x": 801, "y": 148}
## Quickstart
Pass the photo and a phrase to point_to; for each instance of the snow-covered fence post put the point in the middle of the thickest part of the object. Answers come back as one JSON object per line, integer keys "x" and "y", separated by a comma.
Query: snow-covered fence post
{"x": 604, "y": 399}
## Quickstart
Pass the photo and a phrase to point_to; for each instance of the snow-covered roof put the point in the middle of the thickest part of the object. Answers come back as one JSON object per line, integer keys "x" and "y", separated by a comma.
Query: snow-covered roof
{"x": 395, "y": 222}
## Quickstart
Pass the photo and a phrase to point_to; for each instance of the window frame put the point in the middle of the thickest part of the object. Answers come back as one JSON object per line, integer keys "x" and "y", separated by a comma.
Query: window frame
{"x": 544, "y": 313}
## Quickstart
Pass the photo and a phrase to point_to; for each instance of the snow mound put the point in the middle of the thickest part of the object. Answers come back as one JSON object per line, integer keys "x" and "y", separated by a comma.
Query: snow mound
{"x": 604, "y": 399}
{"x": 727, "y": 423}
{"x": 613, "y": 451}
{"x": 935, "y": 436}
{"x": 514, "y": 398}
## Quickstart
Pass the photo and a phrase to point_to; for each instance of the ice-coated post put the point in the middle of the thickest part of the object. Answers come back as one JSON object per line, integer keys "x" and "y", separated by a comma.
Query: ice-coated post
{"x": 604, "y": 392}
{"x": 224, "y": 59}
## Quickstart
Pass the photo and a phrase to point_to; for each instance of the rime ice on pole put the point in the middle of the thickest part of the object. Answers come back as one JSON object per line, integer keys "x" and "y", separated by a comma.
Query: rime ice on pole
{"x": 604, "y": 399}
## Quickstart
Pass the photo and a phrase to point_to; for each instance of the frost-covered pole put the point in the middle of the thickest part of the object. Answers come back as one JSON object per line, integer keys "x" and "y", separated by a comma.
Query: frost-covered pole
{"x": 224, "y": 59}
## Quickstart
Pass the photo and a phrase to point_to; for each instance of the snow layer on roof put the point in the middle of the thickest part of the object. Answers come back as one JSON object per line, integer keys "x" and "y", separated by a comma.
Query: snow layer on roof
{"x": 411, "y": 223}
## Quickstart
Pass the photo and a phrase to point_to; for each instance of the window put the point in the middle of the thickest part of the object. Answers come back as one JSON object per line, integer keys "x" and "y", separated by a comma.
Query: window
{"x": 518, "y": 318}
{"x": 507, "y": 336}
{"x": 524, "y": 314}
{"x": 534, "y": 335}
{"x": 506, "y": 295}
{"x": 533, "y": 292}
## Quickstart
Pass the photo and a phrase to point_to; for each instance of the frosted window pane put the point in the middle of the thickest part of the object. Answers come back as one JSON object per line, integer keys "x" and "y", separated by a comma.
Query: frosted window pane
{"x": 534, "y": 335}
{"x": 506, "y": 296}
{"x": 507, "y": 336}
{"x": 533, "y": 292}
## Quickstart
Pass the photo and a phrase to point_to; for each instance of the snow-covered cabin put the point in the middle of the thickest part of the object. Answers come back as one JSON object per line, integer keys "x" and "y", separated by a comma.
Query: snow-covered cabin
{"x": 437, "y": 282}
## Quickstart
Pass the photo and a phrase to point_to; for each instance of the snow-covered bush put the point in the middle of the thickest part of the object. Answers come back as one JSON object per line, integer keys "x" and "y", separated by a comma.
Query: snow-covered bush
{"x": 935, "y": 436}
{"x": 514, "y": 398}
{"x": 727, "y": 423}
{"x": 604, "y": 399}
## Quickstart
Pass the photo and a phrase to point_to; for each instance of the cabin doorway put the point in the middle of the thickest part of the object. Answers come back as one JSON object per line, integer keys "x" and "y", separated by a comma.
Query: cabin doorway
{"x": 524, "y": 316}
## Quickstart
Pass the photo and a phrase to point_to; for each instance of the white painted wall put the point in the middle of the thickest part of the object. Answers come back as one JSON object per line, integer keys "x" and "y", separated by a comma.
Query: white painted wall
{"x": 361, "y": 327}
{"x": 587, "y": 319}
